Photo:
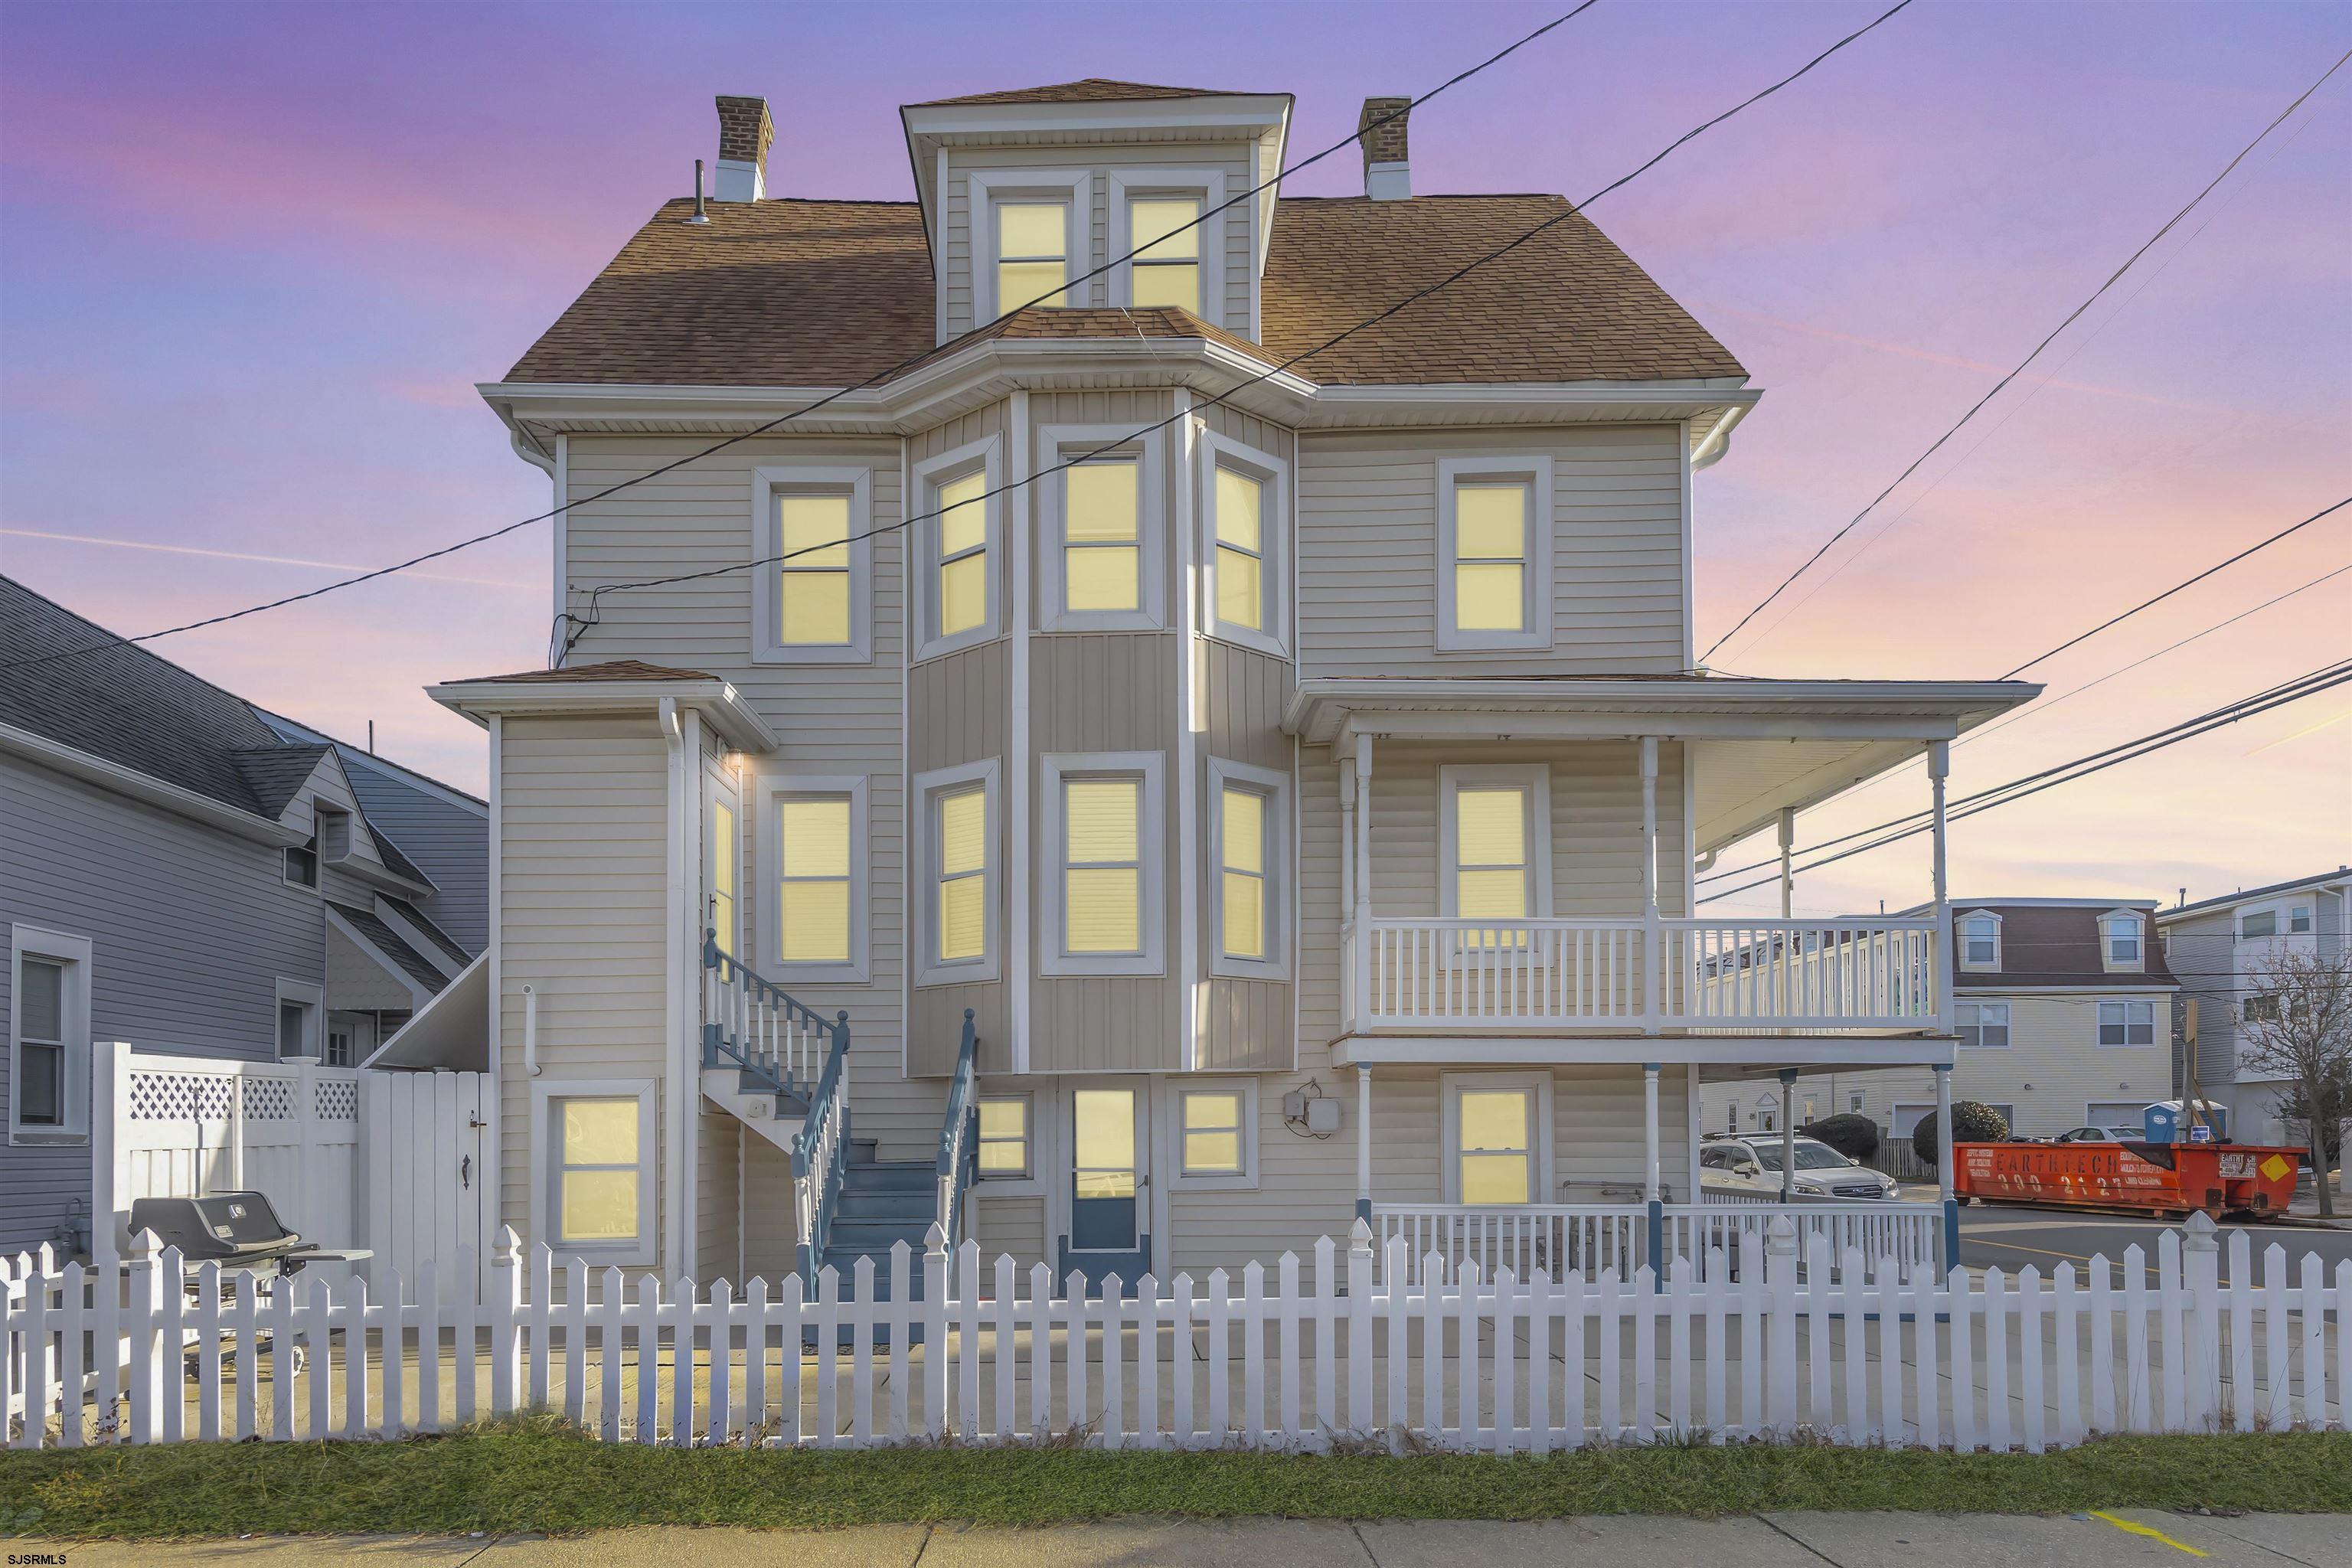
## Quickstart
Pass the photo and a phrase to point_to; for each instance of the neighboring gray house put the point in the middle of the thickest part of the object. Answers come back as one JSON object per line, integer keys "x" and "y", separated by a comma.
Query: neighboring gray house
{"x": 182, "y": 873}
{"x": 2215, "y": 946}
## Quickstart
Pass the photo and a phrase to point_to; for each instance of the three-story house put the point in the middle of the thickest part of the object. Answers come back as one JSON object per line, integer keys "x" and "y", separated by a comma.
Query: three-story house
{"x": 1127, "y": 777}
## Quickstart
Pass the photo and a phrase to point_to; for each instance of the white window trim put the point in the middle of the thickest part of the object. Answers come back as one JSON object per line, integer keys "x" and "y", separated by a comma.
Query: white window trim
{"x": 314, "y": 1026}
{"x": 985, "y": 187}
{"x": 1960, "y": 940}
{"x": 2099, "y": 1024}
{"x": 1451, "y": 1086}
{"x": 74, "y": 952}
{"x": 1275, "y": 787}
{"x": 1246, "y": 1179}
{"x": 2106, "y": 952}
{"x": 987, "y": 1186}
{"x": 1536, "y": 470}
{"x": 929, "y": 970}
{"x": 984, "y": 456}
{"x": 767, "y": 543}
{"x": 2008, "y": 1024}
{"x": 1151, "y": 849}
{"x": 1209, "y": 185}
{"x": 1058, "y": 444}
{"x": 1274, "y": 538}
{"x": 1533, "y": 777}
{"x": 774, "y": 788}
{"x": 544, "y": 1092}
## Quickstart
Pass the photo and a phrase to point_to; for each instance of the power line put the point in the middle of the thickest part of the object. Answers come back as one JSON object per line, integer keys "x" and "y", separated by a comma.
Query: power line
{"x": 877, "y": 378}
{"x": 2041, "y": 707}
{"x": 1574, "y": 209}
{"x": 2318, "y": 681}
{"x": 2071, "y": 318}
{"x": 2176, "y": 588}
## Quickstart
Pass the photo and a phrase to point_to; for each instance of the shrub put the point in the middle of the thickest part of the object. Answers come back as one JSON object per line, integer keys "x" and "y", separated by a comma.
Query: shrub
{"x": 1973, "y": 1122}
{"x": 1853, "y": 1136}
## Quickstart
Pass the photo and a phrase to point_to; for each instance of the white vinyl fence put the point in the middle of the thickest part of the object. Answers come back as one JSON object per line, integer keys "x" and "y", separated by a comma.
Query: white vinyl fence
{"x": 391, "y": 1161}
{"x": 1470, "y": 1362}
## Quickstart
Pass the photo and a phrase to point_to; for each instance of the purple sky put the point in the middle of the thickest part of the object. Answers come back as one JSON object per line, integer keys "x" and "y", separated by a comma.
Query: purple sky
{"x": 253, "y": 258}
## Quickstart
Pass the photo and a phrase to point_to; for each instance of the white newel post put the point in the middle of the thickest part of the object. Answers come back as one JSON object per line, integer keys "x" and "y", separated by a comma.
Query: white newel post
{"x": 1348, "y": 980}
{"x": 1650, "y": 1172}
{"x": 110, "y": 1162}
{"x": 2200, "y": 1260}
{"x": 1363, "y": 852}
{"x": 1788, "y": 1134}
{"x": 1364, "y": 1144}
{"x": 1653, "y": 956}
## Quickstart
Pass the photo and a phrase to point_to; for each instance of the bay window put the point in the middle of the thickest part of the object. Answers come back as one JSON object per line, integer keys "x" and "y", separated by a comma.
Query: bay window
{"x": 1248, "y": 846}
{"x": 1244, "y": 525}
{"x": 955, "y": 867}
{"x": 955, "y": 550}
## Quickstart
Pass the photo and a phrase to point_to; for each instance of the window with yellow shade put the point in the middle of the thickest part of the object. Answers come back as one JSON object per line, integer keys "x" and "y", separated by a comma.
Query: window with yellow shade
{"x": 1032, "y": 254}
{"x": 1490, "y": 558}
{"x": 1494, "y": 1154}
{"x": 1241, "y": 549}
{"x": 599, "y": 1179}
{"x": 1004, "y": 1150}
{"x": 814, "y": 570}
{"x": 723, "y": 860}
{"x": 1242, "y": 932}
{"x": 1102, "y": 547}
{"x": 1103, "y": 866}
{"x": 814, "y": 886}
{"x": 1492, "y": 836}
{"x": 962, "y": 528}
{"x": 1213, "y": 1132}
{"x": 963, "y": 876}
{"x": 1165, "y": 235}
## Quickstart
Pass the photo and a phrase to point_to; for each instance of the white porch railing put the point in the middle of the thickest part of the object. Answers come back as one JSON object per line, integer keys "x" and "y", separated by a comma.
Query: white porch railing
{"x": 1869, "y": 975}
{"x": 1579, "y": 1241}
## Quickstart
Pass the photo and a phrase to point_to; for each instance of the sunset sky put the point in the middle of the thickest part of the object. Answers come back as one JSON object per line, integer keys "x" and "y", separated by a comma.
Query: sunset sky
{"x": 253, "y": 257}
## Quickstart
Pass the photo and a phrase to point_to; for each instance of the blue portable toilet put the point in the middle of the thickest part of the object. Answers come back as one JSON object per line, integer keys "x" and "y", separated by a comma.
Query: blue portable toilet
{"x": 2168, "y": 1122}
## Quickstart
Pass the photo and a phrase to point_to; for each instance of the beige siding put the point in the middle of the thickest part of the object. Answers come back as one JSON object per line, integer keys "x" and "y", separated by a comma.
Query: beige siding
{"x": 584, "y": 911}
{"x": 958, "y": 218}
{"x": 770, "y": 1236}
{"x": 957, "y": 713}
{"x": 716, "y": 1254}
{"x": 1011, "y": 1227}
{"x": 832, "y": 719}
{"x": 1368, "y": 551}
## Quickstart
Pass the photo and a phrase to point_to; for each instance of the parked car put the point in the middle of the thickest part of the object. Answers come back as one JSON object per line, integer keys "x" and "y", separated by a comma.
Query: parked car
{"x": 1753, "y": 1164}
{"x": 2103, "y": 1135}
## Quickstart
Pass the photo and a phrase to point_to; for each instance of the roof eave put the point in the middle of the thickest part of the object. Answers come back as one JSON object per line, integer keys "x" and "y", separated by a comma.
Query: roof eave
{"x": 717, "y": 701}
{"x": 145, "y": 787}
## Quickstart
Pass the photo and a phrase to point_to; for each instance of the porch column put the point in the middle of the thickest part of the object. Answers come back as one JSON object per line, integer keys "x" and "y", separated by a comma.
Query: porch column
{"x": 1364, "y": 1144}
{"x": 1787, "y": 871}
{"x": 1363, "y": 854}
{"x": 1347, "y": 982}
{"x": 1652, "y": 958}
{"x": 1939, "y": 767}
{"x": 1944, "y": 1185}
{"x": 1788, "y": 1134}
{"x": 1650, "y": 1182}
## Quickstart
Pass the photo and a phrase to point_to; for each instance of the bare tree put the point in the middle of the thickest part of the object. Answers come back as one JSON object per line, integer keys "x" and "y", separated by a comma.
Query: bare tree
{"x": 2298, "y": 1027}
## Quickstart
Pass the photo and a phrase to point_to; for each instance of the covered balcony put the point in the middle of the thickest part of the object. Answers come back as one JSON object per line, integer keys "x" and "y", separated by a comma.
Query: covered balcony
{"x": 1494, "y": 957}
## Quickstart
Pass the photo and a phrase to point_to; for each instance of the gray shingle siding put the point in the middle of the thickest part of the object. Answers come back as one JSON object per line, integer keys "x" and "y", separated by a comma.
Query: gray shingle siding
{"x": 190, "y": 930}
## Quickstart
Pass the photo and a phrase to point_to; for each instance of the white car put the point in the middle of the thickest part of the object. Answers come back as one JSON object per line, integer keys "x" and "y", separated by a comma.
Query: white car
{"x": 1753, "y": 1164}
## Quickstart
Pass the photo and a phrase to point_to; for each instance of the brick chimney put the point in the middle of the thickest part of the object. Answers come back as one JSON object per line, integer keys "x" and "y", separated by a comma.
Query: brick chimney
{"x": 1387, "y": 177}
{"x": 745, "y": 134}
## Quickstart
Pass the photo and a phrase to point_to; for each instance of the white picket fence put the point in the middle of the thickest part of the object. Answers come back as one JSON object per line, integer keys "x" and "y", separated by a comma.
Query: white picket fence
{"x": 1472, "y": 1361}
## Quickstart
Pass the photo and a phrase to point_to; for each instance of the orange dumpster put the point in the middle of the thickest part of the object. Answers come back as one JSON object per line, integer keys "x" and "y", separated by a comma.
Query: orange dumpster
{"x": 2166, "y": 1178}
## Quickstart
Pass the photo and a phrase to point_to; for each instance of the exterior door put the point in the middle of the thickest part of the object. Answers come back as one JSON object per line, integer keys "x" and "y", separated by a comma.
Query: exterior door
{"x": 722, "y": 861}
{"x": 1108, "y": 1184}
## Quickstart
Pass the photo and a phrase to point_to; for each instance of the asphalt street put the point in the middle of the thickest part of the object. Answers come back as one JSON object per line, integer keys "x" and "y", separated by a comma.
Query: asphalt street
{"x": 2009, "y": 1239}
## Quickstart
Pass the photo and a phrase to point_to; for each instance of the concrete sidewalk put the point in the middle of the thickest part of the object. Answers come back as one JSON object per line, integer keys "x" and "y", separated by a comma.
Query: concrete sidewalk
{"x": 1757, "y": 1541}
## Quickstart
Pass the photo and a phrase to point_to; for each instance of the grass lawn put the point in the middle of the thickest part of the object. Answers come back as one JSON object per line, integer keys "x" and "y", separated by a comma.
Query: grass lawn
{"x": 538, "y": 1476}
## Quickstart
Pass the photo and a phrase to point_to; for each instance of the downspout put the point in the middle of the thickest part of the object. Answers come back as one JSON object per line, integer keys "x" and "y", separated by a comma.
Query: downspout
{"x": 679, "y": 1250}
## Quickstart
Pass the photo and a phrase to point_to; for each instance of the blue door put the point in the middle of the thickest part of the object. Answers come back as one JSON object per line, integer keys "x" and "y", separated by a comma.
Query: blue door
{"x": 1107, "y": 1185}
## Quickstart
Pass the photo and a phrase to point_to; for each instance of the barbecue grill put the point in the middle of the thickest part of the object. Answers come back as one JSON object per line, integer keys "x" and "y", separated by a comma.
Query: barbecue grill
{"x": 236, "y": 1230}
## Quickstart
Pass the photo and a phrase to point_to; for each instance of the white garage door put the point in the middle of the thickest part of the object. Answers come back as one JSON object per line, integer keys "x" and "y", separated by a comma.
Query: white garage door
{"x": 2118, "y": 1112}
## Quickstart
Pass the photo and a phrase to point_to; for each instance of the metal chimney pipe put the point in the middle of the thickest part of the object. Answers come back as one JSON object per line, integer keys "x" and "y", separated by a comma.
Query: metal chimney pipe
{"x": 700, "y": 216}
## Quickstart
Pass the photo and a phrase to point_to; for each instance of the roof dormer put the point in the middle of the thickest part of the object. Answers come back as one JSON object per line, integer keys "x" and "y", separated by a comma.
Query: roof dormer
{"x": 1028, "y": 195}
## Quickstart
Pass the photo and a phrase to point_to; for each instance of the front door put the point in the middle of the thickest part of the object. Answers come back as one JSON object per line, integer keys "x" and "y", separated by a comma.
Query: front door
{"x": 1107, "y": 1189}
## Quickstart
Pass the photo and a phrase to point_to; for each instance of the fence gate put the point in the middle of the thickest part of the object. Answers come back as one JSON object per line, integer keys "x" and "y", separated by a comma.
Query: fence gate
{"x": 430, "y": 1177}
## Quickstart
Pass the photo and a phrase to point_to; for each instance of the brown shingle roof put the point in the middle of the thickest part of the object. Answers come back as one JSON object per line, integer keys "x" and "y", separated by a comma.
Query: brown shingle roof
{"x": 773, "y": 293}
{"x": 615, "y": 669}
{"x": 1097, "y": 322}
{"x": 2043, "y": 944}
{"x": 817, "y": 293}
{"x": 1093, "y": 89}
{"x": 1568, "y": 305}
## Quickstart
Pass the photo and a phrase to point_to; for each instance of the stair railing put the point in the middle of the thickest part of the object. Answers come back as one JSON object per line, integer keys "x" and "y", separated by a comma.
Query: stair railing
{"x": 749, "y": 1022}
{"x": 959, "y": 1156}
{"x": 820, "y": 1152}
